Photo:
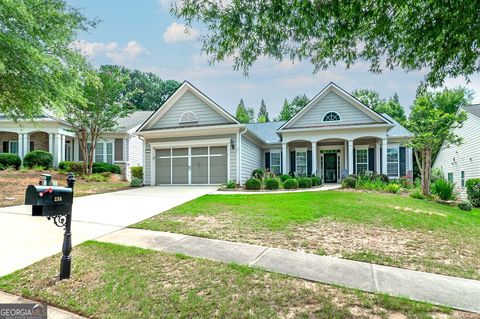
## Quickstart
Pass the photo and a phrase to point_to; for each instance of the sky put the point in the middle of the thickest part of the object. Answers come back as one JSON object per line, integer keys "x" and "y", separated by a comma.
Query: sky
{"x": 143, "y": 35}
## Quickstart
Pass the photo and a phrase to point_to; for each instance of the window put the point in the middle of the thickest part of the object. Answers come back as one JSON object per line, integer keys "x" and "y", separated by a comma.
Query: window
{"x": 275, "y": 163}
{"x": 392, "y": 161}
{"x": 99, "y": 152}
{"x": 103, "y": 152}
{"x": 462, "y": 178}
{"x": 450, "y": 177}
{"x": 362, "y": 161}
{"x": 13, "y": 147}
{"x": 109, "y": 153}
{"x": 301, "y": 162}
{"x": 188, "y": 117}
{"x": 331, "y": 117}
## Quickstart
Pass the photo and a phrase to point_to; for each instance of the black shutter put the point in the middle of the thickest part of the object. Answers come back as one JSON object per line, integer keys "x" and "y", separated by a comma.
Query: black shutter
{"x": 292, "y": 162}
{"x": 32, "y": 146}
{"x": 381, "y": 160}
{"x": 281, "y": 163}
{"x": 5, "y": 147}
{"x": 267, "y": 160}
{"x": 309, "y": 163}
{"x": 371, "y": 159}
{"x": 354, "y": 162}
{"x": 403, "y": 166}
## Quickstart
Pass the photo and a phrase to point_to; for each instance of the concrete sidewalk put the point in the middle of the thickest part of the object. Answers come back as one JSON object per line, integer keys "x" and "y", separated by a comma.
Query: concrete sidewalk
{"x": 458, "y": 293}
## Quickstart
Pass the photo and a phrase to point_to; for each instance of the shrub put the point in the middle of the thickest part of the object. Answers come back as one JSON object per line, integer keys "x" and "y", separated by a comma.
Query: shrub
{"x": 365, "y": 182}
{"x": 384, "y": 178}
{"x": 473, "y": 191}
{"x": 136, "y": 182}
{"x": 137, "y": 171}
{"x": 100, "y": 167}
{"x": 444, "y": 189}
{"x": 38, "y": 158}
{"x": 349, "y": 182}
{"x": 74, "y": 167}
{"x": 2, "y": 167}
{"x": 253, "y": 184}
{"x": 284, "y": 177}
{"x": 231, "y": 184}
{"x": 290, "y": 184}
{"x": 465, "y": 205}
{"x": 436, "y": 175}
{"x": 316, "y": 181}
{"x": 406, "y": 182}
{"x": 353, "y": 176}
{"x": 10, "y": 160}
{"x": 272, "y": 183}
{"x": 304, "y": 182}
{"x": 392, "y": 188}
{"x": 258, "y": 173}
{"x": 417, "y": 193}
{"x": 96, "y": 178}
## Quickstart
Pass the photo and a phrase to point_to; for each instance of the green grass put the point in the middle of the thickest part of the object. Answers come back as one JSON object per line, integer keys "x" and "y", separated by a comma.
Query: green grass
{"x": 113, "y": 281}
{"x": 415, "y": 234}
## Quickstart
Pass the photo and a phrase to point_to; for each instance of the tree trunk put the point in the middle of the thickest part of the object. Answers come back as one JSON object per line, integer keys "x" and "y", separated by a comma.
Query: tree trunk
{"x": 82, "y": 135}
{"x": 426, "y": 171}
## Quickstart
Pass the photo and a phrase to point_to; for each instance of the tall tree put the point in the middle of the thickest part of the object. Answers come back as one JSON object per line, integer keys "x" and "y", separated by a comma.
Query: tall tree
{"x": 368, "y": 97}
{"x": 298, "y": 103}
{"x": 38, "y": 66}
{"x": 431, "y": 127}
{"x": 449, "y": 100}
{"x": 243, "y": 114}
{"x": 439, "y": 36}
{"x": 286, "y": 112}
{"x": 146, "y": 90}
{"x": 263, "y": 113}
{"x": 106, "y": 102}
{"x": 391, "y": 106}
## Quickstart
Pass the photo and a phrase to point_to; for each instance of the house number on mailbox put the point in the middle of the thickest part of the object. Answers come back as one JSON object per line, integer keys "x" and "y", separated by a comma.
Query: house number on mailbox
{"x": 57, "y": 199}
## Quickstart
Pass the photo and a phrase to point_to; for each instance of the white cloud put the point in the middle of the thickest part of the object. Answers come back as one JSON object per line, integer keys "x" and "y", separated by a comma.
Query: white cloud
{"x": 111, "y": 50}
{"x": 178, "y": 32}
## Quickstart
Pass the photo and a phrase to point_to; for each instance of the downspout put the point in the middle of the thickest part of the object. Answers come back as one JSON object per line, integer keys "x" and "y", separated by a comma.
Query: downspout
{"x": 240, "y": 157}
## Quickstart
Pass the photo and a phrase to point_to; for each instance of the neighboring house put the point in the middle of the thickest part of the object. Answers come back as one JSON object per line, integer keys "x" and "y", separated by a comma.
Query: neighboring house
{"x": 192, "y": 140}
{"x": 54, "y": 135}
{"x": 461, "y": 163}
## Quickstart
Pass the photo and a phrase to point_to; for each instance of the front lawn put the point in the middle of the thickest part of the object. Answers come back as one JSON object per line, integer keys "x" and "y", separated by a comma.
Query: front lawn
{"x": 14, "y": 183}
{"x": 112, "y": 281}
{"x": 381, "y": 228}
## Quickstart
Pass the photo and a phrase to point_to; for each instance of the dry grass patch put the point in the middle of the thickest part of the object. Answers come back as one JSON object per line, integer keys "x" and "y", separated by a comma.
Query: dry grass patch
{"x": 112, "y": 281}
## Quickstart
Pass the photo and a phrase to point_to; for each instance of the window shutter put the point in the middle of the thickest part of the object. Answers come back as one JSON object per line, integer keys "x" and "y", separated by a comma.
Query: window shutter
{"x": 281, "y": 163}
{"x": 354, "y": 161}
{"x": 5, "y": 147}
{"x": 292, "y": 161}
{"x": 371, "y": 159}
{"x": 309, "y": 163}
{"x": 118, "y": 149}
{"x": 402, "y": 158}
{"x": 267, "y": 160}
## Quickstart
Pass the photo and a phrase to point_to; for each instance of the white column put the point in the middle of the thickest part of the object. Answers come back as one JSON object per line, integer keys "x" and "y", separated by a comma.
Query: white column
{"x": 50, "y": 143}
{"x": 377, "y": 157}
{"x": 284, "y": 158}
{"x": 314, "y": 158}
{"x": 57, "y": 149}
{"x": 20, "y": 146}
{"x": 350, "y": 157}
{"x": 410, "y": 159}
{"x": 384, "y": 156}
{"x": 62, "y": 147}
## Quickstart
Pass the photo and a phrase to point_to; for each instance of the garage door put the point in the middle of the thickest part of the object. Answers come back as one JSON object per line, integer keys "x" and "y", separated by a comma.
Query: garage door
{"x": 192, "y": 165}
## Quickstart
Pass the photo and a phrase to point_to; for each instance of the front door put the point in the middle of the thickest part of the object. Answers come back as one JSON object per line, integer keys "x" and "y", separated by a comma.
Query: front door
{"x": 330, "y": 168}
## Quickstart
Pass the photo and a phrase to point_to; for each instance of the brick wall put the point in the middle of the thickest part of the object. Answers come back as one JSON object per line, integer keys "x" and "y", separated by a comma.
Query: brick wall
{"x": 5, "y": 137}
{"x": 40, "y": 141}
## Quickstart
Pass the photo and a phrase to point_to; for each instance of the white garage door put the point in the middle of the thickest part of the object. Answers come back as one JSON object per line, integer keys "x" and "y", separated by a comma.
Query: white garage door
{"x": 191, "y": 165}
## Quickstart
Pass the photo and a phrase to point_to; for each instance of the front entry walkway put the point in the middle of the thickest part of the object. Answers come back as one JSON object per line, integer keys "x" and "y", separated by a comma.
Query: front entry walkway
{"x": 459, "y": 293}
{"x": 25, "y": 239}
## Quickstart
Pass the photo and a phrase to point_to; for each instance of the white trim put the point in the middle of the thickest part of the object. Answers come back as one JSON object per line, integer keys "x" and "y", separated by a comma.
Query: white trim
{"x": 323, "y": 117}
{"x": 186, "y": 122}
{"x": 397, "y": 147}
{"x": 301, "y": 150}
{"x": 279, "y": 152}
{"x": 361, "y": 148}
{"x": 193, "y": 143}
{"x": 336, "y": 127}
{"x": 177, "y": 132}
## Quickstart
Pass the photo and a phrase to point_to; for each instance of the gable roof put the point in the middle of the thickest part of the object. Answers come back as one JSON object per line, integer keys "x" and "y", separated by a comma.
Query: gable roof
{"x": 397, "y": 130}
{"x": 332, "y": 87}
{"x": 132, "y": 120}
{"x": 184, "y": 87}
{"x": 266, "y": 132}
{"x": 473, "y": 109}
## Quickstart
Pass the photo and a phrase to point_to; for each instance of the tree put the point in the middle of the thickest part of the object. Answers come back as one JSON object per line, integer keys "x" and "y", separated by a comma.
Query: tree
{"x": 262, "y": 113}
{"x": 432, "y": 127}
{"x": 298, "y": 103}
{"x": 244, "y": 115}
{"x": 106, "y": 102}
{"x": 391, "y": 106}
{"x": 38, "y": 66}
{"x": 146, "y": 90}
{"x": 449, "y": 100}
{"x": 438, "y": 36}
{"x": 286, "y": 112}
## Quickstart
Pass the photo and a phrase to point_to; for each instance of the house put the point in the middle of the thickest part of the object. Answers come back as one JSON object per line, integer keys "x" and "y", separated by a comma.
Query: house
{"x": 190, "y": 139}
{"x": 461, "y": 163}
{"x": 49, "y": 133}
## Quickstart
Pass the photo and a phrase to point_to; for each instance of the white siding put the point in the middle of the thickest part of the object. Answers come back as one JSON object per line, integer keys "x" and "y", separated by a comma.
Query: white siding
{"x": 135, "y": 151}
{"x": 148, "y": 165}
{"x": 251, "y": 158}
{"x": 189, "y": 102}
{"x": 349, "y": 114}
{"x": 465, "y": 157}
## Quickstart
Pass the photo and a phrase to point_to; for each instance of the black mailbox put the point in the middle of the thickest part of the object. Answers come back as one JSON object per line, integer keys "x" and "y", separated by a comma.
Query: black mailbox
{"x": 49, "y": 200}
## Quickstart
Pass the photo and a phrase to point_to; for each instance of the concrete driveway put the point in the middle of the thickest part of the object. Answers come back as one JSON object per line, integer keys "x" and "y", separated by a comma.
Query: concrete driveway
{"x": 25, "y": 239}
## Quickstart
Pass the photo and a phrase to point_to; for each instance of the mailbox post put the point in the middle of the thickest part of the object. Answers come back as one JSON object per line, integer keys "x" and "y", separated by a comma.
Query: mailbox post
{"x": 55, "y": 203}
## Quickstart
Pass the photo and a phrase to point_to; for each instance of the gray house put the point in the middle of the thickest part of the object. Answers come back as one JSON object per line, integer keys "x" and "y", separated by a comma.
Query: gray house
{"x": 192, "y": 140}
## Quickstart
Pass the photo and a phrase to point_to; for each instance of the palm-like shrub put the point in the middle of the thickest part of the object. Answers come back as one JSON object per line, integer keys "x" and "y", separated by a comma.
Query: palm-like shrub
{"x": 444, "y": 189}
{"x": 253, "y": 184}
{"x": 392, "y": 188}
